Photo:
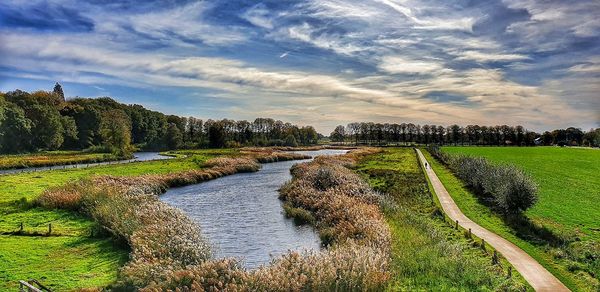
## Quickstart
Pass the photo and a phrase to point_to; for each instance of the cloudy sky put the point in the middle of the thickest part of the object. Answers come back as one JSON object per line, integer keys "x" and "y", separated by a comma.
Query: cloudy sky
{"x": 320, "y": 62}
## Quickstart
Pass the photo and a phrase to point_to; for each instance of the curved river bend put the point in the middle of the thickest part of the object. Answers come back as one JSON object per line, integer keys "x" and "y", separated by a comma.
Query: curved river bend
{"x": 242, "y": 216}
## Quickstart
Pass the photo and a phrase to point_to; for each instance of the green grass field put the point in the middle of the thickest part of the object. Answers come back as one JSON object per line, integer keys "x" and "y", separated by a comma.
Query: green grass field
{"x": 71, "y": 258}
{"x": 566, "y": 178}
{"x": 427, "y": 253}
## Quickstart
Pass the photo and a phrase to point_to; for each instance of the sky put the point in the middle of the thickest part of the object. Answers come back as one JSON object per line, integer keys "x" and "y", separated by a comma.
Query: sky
{"x": 317, "y": 62}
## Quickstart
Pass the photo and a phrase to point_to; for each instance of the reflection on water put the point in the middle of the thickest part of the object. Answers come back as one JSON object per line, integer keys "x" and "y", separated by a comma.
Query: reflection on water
{"x": 242, "y": 216}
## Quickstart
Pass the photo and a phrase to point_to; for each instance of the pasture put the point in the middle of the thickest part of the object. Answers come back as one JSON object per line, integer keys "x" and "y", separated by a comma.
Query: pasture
{"x": 568, "y": 181}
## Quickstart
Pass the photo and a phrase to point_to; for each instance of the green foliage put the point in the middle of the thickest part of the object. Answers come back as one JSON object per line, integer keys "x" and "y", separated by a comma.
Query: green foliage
{"x": 15, "y": 128}
{"x": 53, "y": 123}
{"x": 72, "y": 258}
{"x": 115, "y": 130}
{"x": 290, "y": 141}
{"x": 174, "y": 137}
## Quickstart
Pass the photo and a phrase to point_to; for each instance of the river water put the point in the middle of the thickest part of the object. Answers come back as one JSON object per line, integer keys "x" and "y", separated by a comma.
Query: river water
{"x": 242, "y": 216}
{"x": 138, "y": 156}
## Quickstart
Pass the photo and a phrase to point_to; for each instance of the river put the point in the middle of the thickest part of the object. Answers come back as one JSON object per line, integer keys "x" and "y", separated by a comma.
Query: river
{"x": 242, "y": 216}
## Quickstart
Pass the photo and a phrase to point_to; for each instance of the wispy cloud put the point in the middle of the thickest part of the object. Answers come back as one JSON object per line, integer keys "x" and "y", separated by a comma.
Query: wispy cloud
{"x": 526, "y": 62}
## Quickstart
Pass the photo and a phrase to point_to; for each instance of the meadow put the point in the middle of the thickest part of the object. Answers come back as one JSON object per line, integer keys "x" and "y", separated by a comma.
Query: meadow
{"x": 64, "y": 260}
{"x": 427, "y": 253}
{"x": 565, "y": 178}
{"x": 568, "y": 181}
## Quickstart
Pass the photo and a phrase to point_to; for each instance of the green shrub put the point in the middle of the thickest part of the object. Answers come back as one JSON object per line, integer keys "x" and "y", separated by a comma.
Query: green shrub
{"x": 508, "y": 188}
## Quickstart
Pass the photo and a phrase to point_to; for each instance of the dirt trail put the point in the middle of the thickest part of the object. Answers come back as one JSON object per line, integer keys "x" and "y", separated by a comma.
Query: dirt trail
{"x": 537, "y": 276}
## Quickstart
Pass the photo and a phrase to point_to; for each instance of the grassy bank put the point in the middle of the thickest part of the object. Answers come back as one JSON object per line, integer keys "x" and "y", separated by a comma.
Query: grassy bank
{"x": 64, "y": 260}
{"x": 427, "y": 253}
{"x": 563, "y": 261}
{"x": 52, "y": 158}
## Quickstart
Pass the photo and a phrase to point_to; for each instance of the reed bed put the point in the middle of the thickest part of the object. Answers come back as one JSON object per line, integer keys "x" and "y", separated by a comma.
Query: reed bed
{"x": 54, "y": 159}
{"x": 168, "y": 252}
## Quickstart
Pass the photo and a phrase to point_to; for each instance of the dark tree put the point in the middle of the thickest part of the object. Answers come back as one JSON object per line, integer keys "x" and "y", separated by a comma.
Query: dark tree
{"x": 59, "y": 91}
{"x": 174, "y": 137}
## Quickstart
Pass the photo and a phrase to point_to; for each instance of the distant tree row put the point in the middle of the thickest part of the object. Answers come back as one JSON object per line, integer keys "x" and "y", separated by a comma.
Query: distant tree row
{"x": 44, "y": 120}
{"x": 407, "y": 133}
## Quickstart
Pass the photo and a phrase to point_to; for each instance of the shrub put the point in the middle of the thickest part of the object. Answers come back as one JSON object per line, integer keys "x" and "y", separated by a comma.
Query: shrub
{"x": 508, "y": 188}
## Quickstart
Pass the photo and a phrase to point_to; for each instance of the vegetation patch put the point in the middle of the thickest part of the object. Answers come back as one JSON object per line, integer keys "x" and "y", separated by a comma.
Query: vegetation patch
{"x": 427, "y": 253}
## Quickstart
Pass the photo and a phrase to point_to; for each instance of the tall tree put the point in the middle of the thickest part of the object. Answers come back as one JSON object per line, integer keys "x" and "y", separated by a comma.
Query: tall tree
{"x": 15, "y": 128}
{"x": 115, "y": 130}
{"x": 174, "y": 137}
{"x": 338, "y": 134}
{"x": 59, "y": 91}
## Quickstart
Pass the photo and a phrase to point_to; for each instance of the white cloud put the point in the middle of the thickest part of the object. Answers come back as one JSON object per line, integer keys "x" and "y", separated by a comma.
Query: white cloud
{"x": 483, "y": 57}
{"x": 398, "y": 64}
{"x": 433, "y": 23}
{"x": 259, "y": 16}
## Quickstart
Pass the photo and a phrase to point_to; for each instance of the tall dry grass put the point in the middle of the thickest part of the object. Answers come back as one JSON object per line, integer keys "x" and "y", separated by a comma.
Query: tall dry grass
{"x": 168, "y": 251}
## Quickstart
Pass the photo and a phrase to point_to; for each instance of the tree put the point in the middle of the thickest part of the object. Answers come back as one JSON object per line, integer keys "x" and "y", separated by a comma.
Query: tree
{"x": 216, "y": 134}
{"x": 115, "y": 130}
{"x": 59, "y": 91}
{"x": 174, "y": 137}
{"x": 290, "y": 141}
{"x": 14, "y": 128}
{"x": 339, "y": 134}
{"x": 47, "y": 130}
{"x": 69, "y": 131}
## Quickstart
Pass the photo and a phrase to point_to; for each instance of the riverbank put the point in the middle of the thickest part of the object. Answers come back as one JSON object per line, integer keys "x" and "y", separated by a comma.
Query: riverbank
{"x": 54, "y": 158}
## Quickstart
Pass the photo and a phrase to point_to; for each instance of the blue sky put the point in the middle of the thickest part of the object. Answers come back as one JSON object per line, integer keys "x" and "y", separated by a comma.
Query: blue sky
{"x": 320, "y": 62}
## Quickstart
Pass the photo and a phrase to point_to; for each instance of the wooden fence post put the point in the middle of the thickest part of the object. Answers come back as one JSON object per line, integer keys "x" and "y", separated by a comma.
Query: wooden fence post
{"x": 470, "y": 233}
{"x": 49, "y": 228}
{"x": 483, "y": 244}
{"x": 495, "y": 259}
{"x": 509, "y": 272}
{"x": 456, "y": 225}
{"x": 21, "y": 228}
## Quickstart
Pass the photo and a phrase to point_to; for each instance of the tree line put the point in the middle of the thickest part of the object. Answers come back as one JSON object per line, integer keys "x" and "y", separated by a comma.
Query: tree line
{"x": 44, "y": 120}
{"x": 407, "y": 133}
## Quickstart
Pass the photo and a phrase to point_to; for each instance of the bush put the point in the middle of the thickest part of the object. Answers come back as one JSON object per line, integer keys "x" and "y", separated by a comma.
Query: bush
{"x": 508, "y": 188}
